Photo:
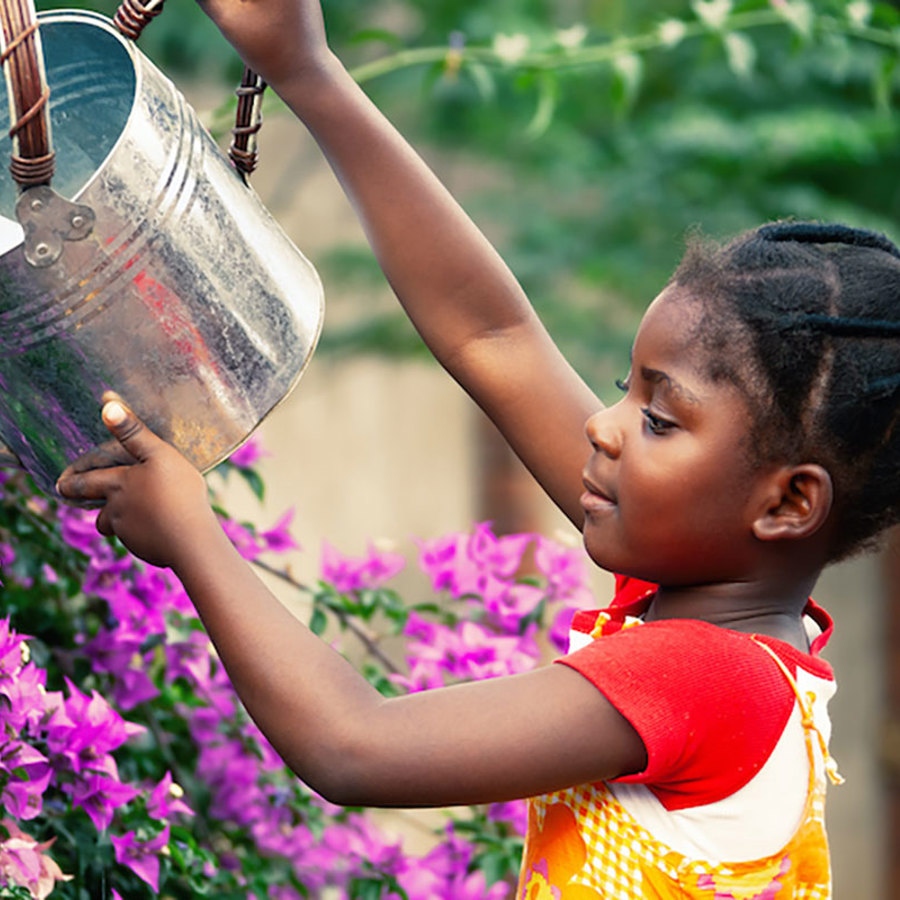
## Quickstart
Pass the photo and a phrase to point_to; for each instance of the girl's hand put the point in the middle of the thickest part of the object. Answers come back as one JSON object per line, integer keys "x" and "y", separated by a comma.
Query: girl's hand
{"x": 281, "y": 40}
{"x": 154, "y": 500}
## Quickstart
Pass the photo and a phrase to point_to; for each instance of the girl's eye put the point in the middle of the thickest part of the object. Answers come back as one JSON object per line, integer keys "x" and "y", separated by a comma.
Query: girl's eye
{"x": 655, "y": 423}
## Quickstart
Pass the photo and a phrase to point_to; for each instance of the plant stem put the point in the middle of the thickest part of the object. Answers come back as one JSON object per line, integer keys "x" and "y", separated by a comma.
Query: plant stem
{"x": 601, "y": 53}
{"x": 368, "y": 640}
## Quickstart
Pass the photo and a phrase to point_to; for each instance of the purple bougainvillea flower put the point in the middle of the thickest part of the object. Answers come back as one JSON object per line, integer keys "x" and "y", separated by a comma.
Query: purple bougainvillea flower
{"x": 277, "y": 538}
{"x": 565, "y": 569}
{"x": 133, "y": 686}
{"x": 445, "y": 874}
{"x": 100, "y": 792}
{"x": 243, "y": 538}
{"x": 461, "y": 563}
{"x": 79, "y": 530}
{"x": 507, "y": 603}
{"x": 117, "y": 651}
{"x": 358, "y": 573}
{"x": 359, "y": 842}
{"x": 466, "y": 652}
{"x": 437, "y": 559}
{"x": 10, "y": 650}
{"x": 190, "y": 659}
{"x": 26, "y": 698}
{"x": 86, "y": 728}
{"x": 142, "y": 857}
{"x": 513, "y": 812}
{"x": 27, "y": 774}
{"x": 24, "y": 861}
{"x": 165, "y": 800}
{"x": 249, "y": 454}
{"x": 499, "y": 555}
{"x": 7, "y": 554}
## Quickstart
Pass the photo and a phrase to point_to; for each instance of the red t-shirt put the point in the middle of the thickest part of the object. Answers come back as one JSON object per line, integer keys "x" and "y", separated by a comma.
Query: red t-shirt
{"x": 709, "y": 703}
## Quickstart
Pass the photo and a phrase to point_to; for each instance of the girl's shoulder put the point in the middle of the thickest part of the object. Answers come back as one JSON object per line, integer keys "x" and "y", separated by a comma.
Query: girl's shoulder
{"x": 697, "y": 694}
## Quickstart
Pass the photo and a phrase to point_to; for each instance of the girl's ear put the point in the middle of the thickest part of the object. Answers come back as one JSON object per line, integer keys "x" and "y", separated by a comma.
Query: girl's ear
{"x": 796, "y": 504}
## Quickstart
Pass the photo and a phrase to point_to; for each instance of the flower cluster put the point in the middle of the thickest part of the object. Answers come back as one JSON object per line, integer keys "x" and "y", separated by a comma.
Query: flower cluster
{"x": 126, "y": 758}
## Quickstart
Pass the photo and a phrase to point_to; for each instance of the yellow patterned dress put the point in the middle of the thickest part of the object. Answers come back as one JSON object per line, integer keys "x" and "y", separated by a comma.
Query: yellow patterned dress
{"x": 583, "y": 844}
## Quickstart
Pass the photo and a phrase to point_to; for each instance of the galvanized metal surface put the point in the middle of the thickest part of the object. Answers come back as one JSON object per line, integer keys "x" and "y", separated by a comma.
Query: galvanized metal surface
{"x": 187, "y": 298}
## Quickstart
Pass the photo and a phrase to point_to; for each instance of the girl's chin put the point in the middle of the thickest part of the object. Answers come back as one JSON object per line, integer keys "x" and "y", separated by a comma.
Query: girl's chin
{"x": 617, "y": 564}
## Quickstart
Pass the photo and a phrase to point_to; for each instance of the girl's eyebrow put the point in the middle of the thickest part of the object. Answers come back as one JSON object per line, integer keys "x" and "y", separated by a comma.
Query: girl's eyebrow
{"x": 658, "y": 377}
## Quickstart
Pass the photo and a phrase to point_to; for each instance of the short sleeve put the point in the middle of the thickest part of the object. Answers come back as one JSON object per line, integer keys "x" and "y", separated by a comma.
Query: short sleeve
{"x": 708, "y": 703}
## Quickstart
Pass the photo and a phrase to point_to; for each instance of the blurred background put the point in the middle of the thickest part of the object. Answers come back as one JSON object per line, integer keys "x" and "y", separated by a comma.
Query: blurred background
{"x": 587, "y": 138}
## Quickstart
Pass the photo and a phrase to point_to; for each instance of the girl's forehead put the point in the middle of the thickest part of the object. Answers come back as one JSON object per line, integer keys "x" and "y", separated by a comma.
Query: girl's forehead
{"x": 674, "y": 339}
{"x": 672, "y": 325}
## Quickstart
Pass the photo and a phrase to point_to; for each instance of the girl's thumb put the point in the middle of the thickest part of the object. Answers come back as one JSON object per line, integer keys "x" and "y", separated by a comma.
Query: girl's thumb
{"x": 114, "y": 413}
{"x": 128, "y": 429}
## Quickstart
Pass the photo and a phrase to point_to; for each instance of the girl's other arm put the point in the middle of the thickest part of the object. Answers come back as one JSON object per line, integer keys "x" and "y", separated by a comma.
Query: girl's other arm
{"x": 458, "y": 292}
{"x": 482, "y": 742}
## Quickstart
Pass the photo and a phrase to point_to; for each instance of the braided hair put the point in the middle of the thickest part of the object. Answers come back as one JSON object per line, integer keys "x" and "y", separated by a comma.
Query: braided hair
{"x": 810, "y": 315}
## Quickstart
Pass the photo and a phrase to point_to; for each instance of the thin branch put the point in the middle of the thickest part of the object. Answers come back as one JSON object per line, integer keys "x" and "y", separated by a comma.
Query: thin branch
{"x": 368, "y": 640}
{"x": 599, "y": 54}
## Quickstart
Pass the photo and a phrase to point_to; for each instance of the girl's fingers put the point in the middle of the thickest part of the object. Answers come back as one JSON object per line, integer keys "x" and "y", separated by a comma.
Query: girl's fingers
{"x": 106, "y": 456}
{"x": 95, "y": 485}
{"x": 103, "y": 525}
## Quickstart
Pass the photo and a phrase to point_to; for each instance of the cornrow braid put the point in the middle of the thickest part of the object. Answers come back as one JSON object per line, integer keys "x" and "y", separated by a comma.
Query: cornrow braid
{"x": 810, "y": 314}
{"x": 845, "y": 326}
{"x": 818, "y": 233}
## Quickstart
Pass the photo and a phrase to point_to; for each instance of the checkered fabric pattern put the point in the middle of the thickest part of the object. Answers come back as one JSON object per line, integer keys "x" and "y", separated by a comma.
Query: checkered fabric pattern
{"x": 623, "y": 861}
{"x": 582, "y": 844}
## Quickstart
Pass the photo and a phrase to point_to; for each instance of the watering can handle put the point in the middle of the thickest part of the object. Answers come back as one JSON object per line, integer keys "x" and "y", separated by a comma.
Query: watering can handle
{"x": 131, "y": 18}
{"x": 32, "y": 158}
{"x": 47, "y": 219}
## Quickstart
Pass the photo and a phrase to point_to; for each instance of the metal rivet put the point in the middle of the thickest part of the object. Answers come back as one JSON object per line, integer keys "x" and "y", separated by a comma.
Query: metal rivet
{"x": 37, "y": 205}
{"x": 42, "y": 249}
{"x": 77, "y": 221}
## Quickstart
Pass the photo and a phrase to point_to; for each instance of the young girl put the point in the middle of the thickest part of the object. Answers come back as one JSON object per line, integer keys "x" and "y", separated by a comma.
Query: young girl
{"x": 681, "y": 749}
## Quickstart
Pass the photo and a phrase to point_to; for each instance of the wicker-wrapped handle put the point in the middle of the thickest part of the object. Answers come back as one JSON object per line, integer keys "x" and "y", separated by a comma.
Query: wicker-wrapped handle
{"x": 47, "y": 219}
{"x": 133, "y": 16}
{"x": 244, "y": 152}
{"x": 32, "y": 156}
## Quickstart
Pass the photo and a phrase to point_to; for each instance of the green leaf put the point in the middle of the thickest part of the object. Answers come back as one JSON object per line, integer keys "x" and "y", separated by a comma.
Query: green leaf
{"x": 883, "y": 83}
{"x": 366, "y": 889}
{"x": 483, "y": 80}
{"x": 380, "y": 35}
{"x": 253, "y": 479}
{"x": 548, "y": 96}
{"x": 496, "y": 866}
{"x": 318, "y": 621}
{"x": 885, "y": 14}
{"x": 628, "y": 71}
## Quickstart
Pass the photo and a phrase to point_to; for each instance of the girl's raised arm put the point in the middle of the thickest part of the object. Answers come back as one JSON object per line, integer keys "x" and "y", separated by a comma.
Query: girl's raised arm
{"x": 487, "y": 741}
{"x": 458, "y": 292}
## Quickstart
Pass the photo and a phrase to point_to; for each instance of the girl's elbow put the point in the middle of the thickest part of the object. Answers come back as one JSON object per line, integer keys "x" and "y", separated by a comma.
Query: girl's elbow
{"x": 342, "y": 774}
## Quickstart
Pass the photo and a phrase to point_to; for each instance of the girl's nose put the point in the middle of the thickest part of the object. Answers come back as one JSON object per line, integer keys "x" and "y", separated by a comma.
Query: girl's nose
{"x": 604, "y": 433}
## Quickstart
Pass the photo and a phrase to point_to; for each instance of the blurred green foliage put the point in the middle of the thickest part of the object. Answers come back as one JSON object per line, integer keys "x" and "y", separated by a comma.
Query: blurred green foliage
{"x": 610, "y": 137}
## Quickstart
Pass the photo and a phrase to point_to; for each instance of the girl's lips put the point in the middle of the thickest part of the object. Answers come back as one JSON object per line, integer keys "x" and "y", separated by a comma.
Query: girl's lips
{"x": 591, "y": 502}
{"x": 594, "y": 500}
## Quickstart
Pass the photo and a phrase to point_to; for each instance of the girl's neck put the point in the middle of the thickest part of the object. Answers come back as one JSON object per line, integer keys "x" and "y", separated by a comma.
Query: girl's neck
{"x": 752, "y": 608}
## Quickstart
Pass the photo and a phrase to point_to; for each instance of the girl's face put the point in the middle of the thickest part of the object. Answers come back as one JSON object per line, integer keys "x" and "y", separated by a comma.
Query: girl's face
{"x": 670, "y": 492}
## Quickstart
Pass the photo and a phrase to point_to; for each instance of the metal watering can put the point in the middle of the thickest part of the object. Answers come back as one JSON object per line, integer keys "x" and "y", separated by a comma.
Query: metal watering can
{"x": 149, "y": 267}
